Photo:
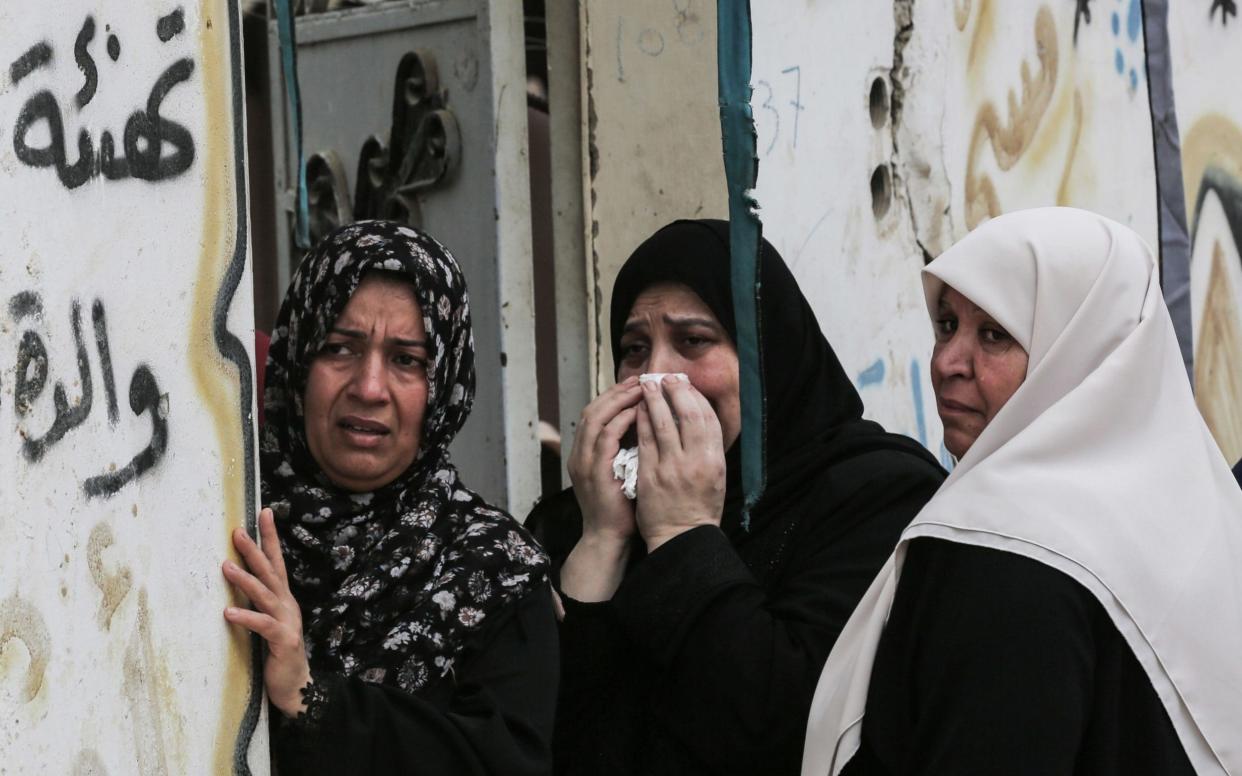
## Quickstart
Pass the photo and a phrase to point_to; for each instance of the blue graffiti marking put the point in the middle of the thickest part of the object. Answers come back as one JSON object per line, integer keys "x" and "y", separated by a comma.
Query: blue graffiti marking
{"x": 946, "y": 460}
{"x": 872, "y": 375}
{"x": 1134, "y": 23}
{"x": 916, "y": 387}
{"x": 1134, "y": 28}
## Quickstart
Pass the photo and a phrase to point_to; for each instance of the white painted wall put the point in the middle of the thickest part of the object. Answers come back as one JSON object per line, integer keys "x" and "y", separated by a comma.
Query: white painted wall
{"x": 993, "y": 97}
{"x": 1206, "y": 53}
{"x": 114, "y": 656}
{"x": 952, "y": 112}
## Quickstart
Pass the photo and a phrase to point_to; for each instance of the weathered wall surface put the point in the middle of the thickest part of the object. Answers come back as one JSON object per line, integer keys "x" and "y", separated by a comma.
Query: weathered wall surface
{"x": 126, "y": 451}
{"x": 888, "y": 130}
{"x": 1206, "y": 53}
{"x": 652, "y": 136}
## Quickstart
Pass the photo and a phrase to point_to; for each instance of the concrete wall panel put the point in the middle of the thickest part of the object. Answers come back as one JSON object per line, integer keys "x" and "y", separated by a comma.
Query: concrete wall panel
{"x": 652, "y": 135}
{"x": 888, "y": 130}
{"x": 1206, "y": 50}
{"x": 126, "y": 450}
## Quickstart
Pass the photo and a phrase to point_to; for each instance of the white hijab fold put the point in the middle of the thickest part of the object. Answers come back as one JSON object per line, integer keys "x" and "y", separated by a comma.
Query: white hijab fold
{"x": 1100, "y": 466}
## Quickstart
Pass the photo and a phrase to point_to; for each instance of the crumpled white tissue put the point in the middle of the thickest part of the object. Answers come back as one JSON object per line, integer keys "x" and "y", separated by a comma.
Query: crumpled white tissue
{"x": 625, "y": 465}
{"x": 625, "y": 468}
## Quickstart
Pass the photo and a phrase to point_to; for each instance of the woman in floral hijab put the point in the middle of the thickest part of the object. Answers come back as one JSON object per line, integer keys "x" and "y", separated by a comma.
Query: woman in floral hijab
{"x": 413, "y": 626}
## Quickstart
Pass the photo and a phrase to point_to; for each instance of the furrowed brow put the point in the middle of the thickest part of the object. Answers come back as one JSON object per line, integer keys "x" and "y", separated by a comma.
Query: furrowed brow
{"x": 358, "y": 334}
{"x": 691, "y": 321}
{"x": 408, "y": 343}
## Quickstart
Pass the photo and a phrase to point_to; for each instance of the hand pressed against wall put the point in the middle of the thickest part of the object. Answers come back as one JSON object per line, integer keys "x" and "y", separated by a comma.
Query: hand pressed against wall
{"x": 278, "y": 618}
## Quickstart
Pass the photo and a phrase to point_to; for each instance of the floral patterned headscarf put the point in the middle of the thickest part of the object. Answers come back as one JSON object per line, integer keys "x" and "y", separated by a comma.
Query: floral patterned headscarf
{"x": 394, "y": 582}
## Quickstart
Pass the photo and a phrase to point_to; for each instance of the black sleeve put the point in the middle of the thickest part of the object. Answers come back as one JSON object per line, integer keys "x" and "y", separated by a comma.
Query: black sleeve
{"x": 598, "y": 723}
{"x": 496, "y": 719}
{"x": 985, "y": 666}
{"x": 599, "y": 715}
{"x": 737, "y": 664}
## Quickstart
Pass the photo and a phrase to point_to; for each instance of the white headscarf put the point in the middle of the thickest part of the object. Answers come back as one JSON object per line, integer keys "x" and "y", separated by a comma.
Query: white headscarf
{"x": 1099, "y": 465}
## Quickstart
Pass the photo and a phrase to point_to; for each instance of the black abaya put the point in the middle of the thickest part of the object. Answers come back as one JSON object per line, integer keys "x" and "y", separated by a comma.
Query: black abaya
{"x": 994, "y": 663}
{"x": 706, "y": 658}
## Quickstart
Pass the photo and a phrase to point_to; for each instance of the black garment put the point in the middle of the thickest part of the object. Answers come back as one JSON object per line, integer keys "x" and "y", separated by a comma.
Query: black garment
{"x": 425, "y": 609}
{"x": 706, "y": 658}
{"x": 493, "y": 715}
{"x": 994, "y": 663}
{"x": 1237, "y": 472}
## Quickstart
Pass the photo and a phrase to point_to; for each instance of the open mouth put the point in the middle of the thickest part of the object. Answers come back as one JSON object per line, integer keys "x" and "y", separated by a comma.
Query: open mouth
{"x": 362, "y": 426}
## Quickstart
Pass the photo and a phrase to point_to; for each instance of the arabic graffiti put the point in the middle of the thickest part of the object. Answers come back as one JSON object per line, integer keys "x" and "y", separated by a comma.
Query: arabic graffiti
{"x": 1227, "y": 8}
{"x": 1082, "y": 12}
{"x": 146, "y": 136}
{"x": 32, "y": 378}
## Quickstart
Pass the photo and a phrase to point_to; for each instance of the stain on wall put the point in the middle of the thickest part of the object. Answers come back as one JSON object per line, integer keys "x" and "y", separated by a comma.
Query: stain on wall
{"x": 114, "y": 584}
{"x": 21, "y": 625}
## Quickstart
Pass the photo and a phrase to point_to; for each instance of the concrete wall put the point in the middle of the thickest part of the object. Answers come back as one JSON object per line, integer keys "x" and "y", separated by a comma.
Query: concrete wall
{"x": 1206, "y": 54}
{"x": 126, "y": 444}
{"x": 652, "y": 136}
{"x": 888, "y": 130}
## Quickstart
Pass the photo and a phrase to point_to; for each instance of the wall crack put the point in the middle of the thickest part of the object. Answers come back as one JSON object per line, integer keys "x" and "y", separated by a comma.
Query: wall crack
{"x": 903, "y": 16}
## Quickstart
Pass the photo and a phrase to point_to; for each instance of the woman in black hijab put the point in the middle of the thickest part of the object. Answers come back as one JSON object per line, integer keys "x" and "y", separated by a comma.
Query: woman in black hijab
{"x": 413, "y": 629}
{"x": 692, "y": 642}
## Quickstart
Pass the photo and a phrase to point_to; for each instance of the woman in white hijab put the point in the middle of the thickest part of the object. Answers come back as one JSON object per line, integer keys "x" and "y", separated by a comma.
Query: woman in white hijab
{"x": 1070, "y": 602}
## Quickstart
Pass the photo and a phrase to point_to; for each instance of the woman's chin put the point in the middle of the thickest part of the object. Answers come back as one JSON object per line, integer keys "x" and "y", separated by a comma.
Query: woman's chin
{"x": 957, "y": 443}
{"x": 360, "y": 476}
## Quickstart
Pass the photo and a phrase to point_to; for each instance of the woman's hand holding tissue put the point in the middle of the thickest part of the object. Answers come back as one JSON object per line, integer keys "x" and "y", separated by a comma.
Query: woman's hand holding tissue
{"x": 594, "y": 568}
{"x": 681, "y": 472}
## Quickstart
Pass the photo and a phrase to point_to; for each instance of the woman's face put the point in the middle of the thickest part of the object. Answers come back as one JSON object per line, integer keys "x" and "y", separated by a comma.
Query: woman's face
{"x": 976, "y": 366}
{"x": 670, "y": 329}
{"x": 367, "y": 390}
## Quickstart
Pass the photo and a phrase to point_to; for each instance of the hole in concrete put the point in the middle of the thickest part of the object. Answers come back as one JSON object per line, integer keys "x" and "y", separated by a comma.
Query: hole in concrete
{"x": 879, "y": 103}
{"x": 881, "y": 191}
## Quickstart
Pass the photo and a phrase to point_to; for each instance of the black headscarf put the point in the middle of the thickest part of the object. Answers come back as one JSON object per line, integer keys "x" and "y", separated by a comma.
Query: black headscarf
{"x": 812, "y": 413}
{"x": 391, "y": 583}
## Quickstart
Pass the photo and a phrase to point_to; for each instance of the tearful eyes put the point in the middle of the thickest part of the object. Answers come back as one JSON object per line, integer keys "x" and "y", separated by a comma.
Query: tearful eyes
{"x": 346, "y": 350}
{"x": 688, "y": 342}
